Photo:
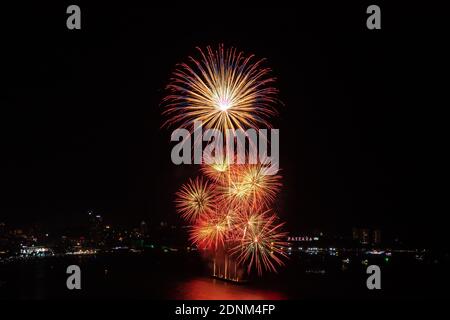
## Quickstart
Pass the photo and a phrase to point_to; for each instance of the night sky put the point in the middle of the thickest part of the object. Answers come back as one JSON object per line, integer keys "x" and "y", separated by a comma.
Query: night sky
{"x": 80, "y": 115}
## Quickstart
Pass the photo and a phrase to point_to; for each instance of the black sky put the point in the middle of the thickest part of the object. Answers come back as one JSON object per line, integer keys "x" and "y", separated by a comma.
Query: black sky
{"x": 80, "y": 123}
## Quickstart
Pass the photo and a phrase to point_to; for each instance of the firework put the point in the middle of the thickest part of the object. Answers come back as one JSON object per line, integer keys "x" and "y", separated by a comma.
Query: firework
{"x": 248, "y": 185}
{"x": 261, "y": 188}
{"x": 231, "y": 217}
{"x": 195, "y": 199}
{"x": 229, "y": 211}
{"x": 209, "y": 233}
{"x": 222, "y": 88}
{"x": 261, "y": 245}
{"x": 250, "y": 219}
{"x": 216, "y": 171}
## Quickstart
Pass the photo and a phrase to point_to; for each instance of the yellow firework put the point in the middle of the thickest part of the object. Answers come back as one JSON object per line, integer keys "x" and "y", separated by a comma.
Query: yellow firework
{"x": 216, "y": 171}
{"x": 261, "y": 188}
{"x": 195, "y": 199}
{"x": 222, "y": 88}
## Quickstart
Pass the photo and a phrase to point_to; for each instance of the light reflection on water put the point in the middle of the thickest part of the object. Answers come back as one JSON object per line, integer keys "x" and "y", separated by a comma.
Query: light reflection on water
{"x": 214, "y": 289}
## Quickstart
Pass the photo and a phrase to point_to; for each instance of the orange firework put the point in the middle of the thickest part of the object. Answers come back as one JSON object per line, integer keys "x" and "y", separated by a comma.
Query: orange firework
{"x": 261, "y": 245}
{"x": 222, "y": 88}
{"x": 248, "y": 185}
{"x": 195, "y": 199}
{"x": 209, "y": 233}
{"x": 251, "y": 219}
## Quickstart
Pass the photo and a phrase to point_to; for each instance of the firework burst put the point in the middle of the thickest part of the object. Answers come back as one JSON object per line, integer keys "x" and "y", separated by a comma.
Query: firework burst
{"x": 261, "y": 188}
{"x": 261, "y": 245}
{"x": 195, "y": 199}
{"x": 216, "y": 171}
{"x": 248, "y": 185}
{"x": 209, "y": 233}
{"x": 222, "y": 88}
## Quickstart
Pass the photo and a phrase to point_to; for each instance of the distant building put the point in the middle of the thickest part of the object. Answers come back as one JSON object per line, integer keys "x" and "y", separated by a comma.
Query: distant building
{"x": 376, "y": 238}
{"x": 37, "y": 251}
{"x": 2, "y": 229}
{"x": 144, "y": 228}
{"x": 362, "y": 235}
{"x": 366, "y": 236}
{"x": 95, "y": 227}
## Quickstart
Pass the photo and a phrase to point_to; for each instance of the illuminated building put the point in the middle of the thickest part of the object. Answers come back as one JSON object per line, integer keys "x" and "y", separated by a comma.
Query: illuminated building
{"x": 376, "y": 239}
{"x": 95, "y": 227}
{"x": 35, "y": 251}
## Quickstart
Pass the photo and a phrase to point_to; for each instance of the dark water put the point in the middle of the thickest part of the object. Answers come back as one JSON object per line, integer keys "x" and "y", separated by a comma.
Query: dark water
{"x": 156, "y": 275}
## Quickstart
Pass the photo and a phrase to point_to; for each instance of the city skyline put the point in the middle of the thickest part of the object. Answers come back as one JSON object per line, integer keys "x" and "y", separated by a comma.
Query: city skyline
{"x": 92, "y": 220}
